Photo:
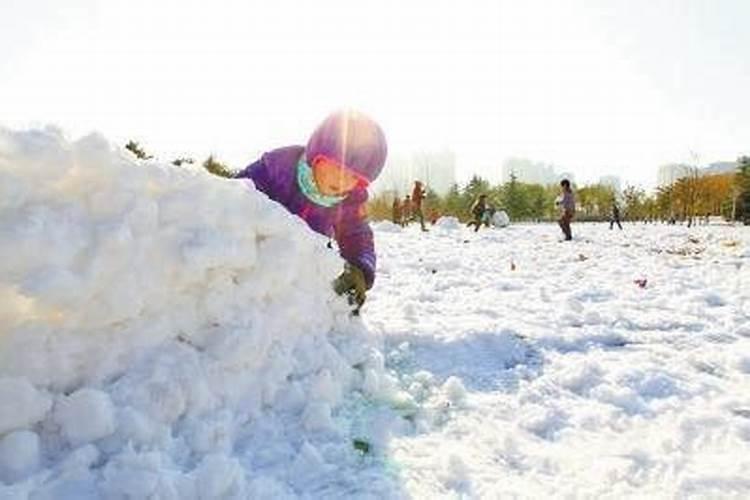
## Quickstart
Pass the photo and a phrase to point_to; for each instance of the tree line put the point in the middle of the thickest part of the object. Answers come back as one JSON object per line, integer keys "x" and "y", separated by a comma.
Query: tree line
{"x": 211, "y": 164}
{"x": 686, "y": 200}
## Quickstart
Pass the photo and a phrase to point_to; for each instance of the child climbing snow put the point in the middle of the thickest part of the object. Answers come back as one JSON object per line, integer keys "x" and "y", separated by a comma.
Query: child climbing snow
{"x": 325, "y": 184}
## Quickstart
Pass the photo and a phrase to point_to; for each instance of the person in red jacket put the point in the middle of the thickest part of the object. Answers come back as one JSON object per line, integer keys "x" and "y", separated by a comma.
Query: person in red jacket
{"x": 417, "y": 195}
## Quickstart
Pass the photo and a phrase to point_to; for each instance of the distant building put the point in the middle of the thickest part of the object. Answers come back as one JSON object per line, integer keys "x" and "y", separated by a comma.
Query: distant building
{"x": 436, "y": 169}
{"x": 720, "y": 167}
{"x": 531, "y": 172}
{"x": 669, "y": 174}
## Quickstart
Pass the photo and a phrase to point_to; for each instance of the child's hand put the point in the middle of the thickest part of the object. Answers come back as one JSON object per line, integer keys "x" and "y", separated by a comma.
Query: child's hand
{"x": 352, "y": 281}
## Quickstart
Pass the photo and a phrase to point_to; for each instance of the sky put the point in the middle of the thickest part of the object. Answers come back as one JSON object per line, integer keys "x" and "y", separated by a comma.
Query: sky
{"x": 594, "y": 87}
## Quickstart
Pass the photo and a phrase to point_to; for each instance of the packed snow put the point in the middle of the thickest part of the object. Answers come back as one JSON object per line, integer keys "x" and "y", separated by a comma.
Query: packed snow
{"x": 169, "y": 334}
{"x": 500, "y": 219}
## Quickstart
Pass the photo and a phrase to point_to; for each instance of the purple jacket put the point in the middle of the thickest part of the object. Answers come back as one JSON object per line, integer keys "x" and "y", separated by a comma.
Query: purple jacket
{"x": 275, "y": 174}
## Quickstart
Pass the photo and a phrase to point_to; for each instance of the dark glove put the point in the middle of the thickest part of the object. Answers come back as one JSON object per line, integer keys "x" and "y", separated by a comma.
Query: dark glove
{"x": 352, "y": 282}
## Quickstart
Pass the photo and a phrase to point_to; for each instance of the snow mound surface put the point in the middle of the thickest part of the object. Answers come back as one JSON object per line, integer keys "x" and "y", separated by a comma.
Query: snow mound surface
{"x": 448, "y": 222}
{"x": 163, "y": 333}
{"x": 500, "y": 219}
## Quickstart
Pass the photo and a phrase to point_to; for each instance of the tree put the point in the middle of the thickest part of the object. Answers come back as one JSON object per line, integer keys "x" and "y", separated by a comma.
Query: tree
{"x": 136, "y": 149}
{"x": 178, "y": 162}
{"x": 634, "y": 202}
{"x": 432, "y": 201}
{"x": 514, "y": 198}
{"x": 217, "y": 168}
{"x": 453, "y": 203}
{"x": 380, "y": 207}
{"x": 742, "y": 182}
{"x": 693, "y": 194}
{"x": 686, "y": 193}
{"x": 715, "y": 192}
{"x": 476, "y": 186}
{"x": 538, "y": 200}
{"x": 743, "y": 173}
{"x": 595, "y": 201}
{"x": 664, "y": 202}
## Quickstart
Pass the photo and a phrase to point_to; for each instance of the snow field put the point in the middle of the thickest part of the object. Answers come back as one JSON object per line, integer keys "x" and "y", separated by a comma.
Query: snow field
{"x": 578, "y": 381}
{"x": 168, "y": 334}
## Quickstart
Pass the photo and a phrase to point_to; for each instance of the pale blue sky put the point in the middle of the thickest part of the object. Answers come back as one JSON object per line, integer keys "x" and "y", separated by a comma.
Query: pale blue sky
{"x": 596, "y": 87}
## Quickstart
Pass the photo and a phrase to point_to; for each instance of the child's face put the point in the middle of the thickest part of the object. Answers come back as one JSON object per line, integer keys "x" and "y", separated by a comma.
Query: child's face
{"x": 333, "y": 179}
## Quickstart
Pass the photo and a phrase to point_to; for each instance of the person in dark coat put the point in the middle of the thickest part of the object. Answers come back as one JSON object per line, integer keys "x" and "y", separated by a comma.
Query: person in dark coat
{"x": 567, "y": 205}
{"x": 417, "y": 196}
{"x": 615, "y": 219}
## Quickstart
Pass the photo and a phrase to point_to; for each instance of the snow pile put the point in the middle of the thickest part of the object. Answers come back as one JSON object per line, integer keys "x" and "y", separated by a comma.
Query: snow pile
{"x": 164, "y": 333}
{"x": 500, "y": 219}
{"x": 448, "y": 222}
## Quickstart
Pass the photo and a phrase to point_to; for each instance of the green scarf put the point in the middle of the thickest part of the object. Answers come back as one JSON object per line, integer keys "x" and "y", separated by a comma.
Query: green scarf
{"x": 306, "y": 183}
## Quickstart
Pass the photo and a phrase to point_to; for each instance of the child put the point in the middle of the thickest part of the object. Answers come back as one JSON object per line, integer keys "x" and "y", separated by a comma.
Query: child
{"x": 325, "y": 184}
{"x": 417, "y": 195}
{"x": 567, "y": 205}
{"x": 479, "y": 212}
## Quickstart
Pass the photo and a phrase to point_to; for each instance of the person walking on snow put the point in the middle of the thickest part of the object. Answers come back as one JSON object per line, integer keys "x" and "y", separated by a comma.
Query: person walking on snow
{"x": 325, "y": 184}
{"x": 615, "y": 217}
{"x": 417, "y": 195}
{"x": 567, "y": 204}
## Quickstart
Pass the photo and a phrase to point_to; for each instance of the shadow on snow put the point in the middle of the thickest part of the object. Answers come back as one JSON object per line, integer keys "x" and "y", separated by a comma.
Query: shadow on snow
{"x": 485, "y": 361}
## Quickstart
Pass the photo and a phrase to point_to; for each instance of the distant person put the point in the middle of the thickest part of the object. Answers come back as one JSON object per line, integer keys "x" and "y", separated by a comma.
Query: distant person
{"x": 325, "y": 184}
{"x": 396, "y": 212}
{"x": 417, "y": 195}
{"x": 480, "y": 213}
{"x": 406, "y": 210}
{"x": 567, "y": 205}
{"x": 615, "y": 219}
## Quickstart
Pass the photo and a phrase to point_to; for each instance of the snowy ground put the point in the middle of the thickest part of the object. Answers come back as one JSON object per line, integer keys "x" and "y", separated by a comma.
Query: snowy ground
{"x": 168, "y": 334}
{"x": 578, "y": 381}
